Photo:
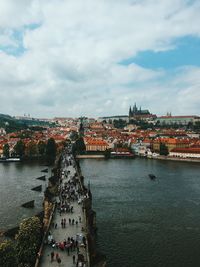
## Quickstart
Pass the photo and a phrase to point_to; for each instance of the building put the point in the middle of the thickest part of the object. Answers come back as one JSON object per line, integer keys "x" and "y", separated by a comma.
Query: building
{"x": 136, "y": 113}
{"x": 95, "y": 144}
{"x": 179, "y": 120}
{"x": 170, "y": 143}
{"x": 190, "y": 152}
{"x": 2, "y": 131}
{"x": 110, "y": 119}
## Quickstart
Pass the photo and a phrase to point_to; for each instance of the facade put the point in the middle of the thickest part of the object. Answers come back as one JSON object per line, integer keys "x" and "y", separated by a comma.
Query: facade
{"x": 191, "y": 152}
{"x": 2, "y": 131}
{"x": 170, "y": 143}
{"x": 1, "y": 150}
{"x": 180, "y": 120}
{"x": 95, "y": 144}
{"x": 110, "y": 119}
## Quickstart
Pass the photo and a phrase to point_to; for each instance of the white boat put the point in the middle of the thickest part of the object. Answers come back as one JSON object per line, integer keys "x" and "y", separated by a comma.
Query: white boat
{"x": 10, "y": 159}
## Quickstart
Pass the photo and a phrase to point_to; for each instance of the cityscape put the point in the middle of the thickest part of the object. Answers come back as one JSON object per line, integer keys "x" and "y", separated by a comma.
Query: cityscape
{"x": 138, "y": 133}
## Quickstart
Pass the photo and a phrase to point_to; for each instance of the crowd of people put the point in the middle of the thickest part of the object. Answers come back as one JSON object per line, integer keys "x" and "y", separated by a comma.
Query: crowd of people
{"x": 70, "y": 191}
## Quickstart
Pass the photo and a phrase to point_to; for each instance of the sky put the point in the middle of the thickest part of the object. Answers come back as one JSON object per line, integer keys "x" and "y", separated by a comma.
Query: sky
{"x": 97, "y": 57}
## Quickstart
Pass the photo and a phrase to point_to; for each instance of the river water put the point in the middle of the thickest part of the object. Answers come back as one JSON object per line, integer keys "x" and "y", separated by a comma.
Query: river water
{"x": 146, "y": 223}
{"x": 16, "y": 181}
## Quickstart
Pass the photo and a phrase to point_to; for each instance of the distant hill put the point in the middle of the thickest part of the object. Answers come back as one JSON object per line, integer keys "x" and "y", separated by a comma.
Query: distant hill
{"x": 5, "y": 116}
{"x": 10, "y": 124}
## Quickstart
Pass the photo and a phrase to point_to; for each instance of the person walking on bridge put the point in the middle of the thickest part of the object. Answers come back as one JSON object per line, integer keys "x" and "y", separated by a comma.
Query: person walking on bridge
{"x": 52, "y": 256}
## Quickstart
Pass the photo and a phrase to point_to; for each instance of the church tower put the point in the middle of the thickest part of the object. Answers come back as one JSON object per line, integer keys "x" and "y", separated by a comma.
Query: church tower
{"x": 130, "y": 112}
{"x": 81, "y": 128}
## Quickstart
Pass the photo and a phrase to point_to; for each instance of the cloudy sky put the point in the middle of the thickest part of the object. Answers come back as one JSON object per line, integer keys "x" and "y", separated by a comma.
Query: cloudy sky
{"x": 98, "y": 57}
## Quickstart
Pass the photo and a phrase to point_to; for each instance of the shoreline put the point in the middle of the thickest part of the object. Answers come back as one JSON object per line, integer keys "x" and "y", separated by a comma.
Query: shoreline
{"x": 174, "y": 159}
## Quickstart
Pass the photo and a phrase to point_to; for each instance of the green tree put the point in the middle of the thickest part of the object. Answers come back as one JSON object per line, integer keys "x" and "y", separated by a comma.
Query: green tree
{"x": 79, "y": 146}
{"x": 51, "y": 151}
{"x": 6, "y": 150}
{"x": 32, "y": 149}
{"x": 119, "y": 123}
{"x": 163, "y": 150}
{"x": 19, "y": 149}
{"x": 107, "y": 153}
{"x": 42, "y": 148}
{"x": 28, "y": 241}
{"x": 7, "y": 254}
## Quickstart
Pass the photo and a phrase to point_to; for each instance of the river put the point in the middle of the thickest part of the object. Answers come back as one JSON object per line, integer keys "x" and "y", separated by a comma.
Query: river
{"x": 146, "y": 223}
{"x": 16, "y": 181}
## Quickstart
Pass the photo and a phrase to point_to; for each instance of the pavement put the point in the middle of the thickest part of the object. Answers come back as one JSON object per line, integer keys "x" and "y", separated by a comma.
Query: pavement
{"x": 60, "y": 233}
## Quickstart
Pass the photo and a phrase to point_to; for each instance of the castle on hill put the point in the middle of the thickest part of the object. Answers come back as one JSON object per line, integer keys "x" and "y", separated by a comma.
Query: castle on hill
{"x": 139, "y": 113}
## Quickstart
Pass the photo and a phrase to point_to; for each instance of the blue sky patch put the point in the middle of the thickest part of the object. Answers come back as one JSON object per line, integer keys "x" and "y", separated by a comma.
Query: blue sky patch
{"x": 186, "y": 52}
{"x": 17, "y": 49}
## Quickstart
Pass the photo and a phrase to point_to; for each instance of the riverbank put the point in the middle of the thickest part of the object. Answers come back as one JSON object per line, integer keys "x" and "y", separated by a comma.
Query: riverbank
{"x": 175, "y": 159}
{"x": 88, "y": 156}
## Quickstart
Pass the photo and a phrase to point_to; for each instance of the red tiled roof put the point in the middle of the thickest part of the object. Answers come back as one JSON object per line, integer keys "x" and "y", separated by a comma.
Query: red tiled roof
{"x": 194, "y": 150}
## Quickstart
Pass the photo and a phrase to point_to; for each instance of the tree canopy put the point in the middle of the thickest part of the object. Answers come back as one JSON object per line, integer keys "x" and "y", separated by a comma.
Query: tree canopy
{"x": 51, "y": 151}
{"x": 79, "y": 146}
{"x": 7, "y": 254}
{"x": 163, "y": 150}
{"x": 6, "y": 150}
{"x": 41, "y": 148}
{"x": 28, "y": 241}
{"x": 19, "y": 149}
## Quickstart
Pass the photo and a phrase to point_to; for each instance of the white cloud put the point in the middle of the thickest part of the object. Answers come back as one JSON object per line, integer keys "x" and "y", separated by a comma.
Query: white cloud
{"x": 71, "y": 61}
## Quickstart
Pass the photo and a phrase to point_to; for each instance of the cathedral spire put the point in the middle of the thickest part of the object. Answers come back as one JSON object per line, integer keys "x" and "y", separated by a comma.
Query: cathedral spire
{"x": 130, "y": 112}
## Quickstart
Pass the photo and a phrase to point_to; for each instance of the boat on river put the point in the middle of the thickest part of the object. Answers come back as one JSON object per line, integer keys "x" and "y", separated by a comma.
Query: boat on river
{"x": 121, "y": 153}
{"x": 152, "y": 176}
{"x": 10, "y": 160}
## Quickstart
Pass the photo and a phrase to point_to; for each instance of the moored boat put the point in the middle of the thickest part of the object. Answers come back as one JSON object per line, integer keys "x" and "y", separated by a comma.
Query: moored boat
{"x": 10, "y": 159}
{"x": 152, "y": 176}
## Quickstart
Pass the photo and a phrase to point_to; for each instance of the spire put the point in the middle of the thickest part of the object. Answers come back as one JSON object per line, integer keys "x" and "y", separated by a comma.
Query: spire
{"x": 130, "y": 112}
{"x": 135, "y": 109}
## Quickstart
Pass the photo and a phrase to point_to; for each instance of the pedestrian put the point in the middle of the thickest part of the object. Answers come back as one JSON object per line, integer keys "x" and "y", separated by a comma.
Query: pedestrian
{"x": 52, "y": 256}
{"x": 72, "y": 221}
{"x": 69, "y": 221}
{"x": 59, "y": 260}
{"x": 64, "y": 222}
{"x": 68, "y": 250}
{"x": 76, "y": 223}
{"x": 74, "y": 259}
{"x": 56, "y": 226}
{"x": 57, "y": 256}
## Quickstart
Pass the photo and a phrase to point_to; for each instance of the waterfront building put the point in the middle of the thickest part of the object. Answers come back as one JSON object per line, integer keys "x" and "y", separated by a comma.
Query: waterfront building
{"x": 170, "y": 143}
{"x": 1, "y": 150}
{"x": 190, "y": 152}
{"x": 95, "y": 144}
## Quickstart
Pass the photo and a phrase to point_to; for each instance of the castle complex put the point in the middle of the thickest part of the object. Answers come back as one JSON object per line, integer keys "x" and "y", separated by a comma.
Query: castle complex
{"x": 140, "y": 114}
{"x": 137, "y": 112}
